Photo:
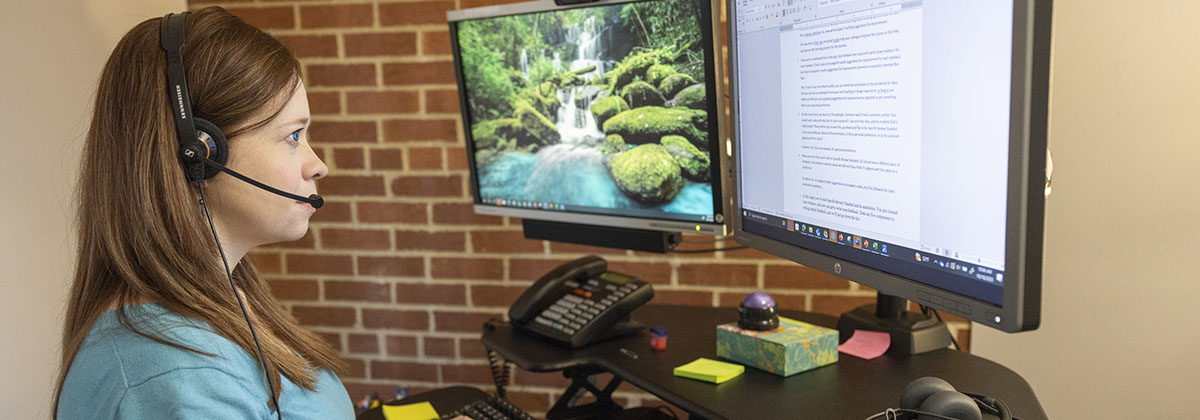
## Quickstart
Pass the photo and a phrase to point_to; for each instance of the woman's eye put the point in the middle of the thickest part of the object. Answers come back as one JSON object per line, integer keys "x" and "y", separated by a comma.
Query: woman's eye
{"x": 295, "y": 136}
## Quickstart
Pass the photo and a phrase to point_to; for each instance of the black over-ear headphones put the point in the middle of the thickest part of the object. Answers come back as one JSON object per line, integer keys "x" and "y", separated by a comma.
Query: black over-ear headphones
{"x": 197, "y": 136}
{"x": 930, "y": 395}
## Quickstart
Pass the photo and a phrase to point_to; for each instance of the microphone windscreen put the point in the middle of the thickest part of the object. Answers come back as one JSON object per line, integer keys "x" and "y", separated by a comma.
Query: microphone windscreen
{"x": 316, "y": 201}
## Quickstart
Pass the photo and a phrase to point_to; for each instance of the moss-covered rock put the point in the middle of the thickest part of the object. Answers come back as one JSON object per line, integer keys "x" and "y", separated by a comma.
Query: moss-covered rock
{"x": 547, "y": 106}
{"x": 693, "y": 97}
{"x": 639, "y": 94}
{"x": 674, "y": 83}
{"x": 539, "y": 127}
{"x": 607, "y": 107}
{"x": 632, "y": 68}
{"x": 491, "y": 134}
{"x": 585, "y": 70}
{"x": 649, "y": 124}
{"x": 647, "y": 174}
{"x": 692, "y": 161}
{"x": 547, "y": 89}
{"x": 613, "y": 143}
{"x": 656, "y": 73}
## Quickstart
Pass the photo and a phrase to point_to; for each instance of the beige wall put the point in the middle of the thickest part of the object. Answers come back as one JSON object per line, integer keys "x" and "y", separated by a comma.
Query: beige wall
{"x": 50, "y": 58}
{"x": 1120, "y": 335}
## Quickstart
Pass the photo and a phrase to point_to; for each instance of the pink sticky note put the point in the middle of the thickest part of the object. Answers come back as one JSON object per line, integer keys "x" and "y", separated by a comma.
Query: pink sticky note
{"x": 866, "y": 344}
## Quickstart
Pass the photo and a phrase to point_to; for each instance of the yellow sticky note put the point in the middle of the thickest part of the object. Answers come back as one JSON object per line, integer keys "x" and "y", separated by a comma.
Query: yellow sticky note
{"x": 710, "y": 370}
{"x": 418, "y": 411}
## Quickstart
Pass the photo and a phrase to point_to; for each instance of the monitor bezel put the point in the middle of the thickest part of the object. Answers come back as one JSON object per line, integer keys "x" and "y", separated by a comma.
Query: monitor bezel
{"x": 1029, "y": 100}
{"x": 721, "y": 188}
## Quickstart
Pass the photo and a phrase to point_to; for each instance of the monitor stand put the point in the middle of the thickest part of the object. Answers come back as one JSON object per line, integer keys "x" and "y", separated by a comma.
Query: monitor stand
{"x": 609, "y": 237}
{"x": 911, "y": 332}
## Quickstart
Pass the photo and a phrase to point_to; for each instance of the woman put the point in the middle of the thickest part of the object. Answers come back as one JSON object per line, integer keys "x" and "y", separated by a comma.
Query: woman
{"x": 153, "y": 327}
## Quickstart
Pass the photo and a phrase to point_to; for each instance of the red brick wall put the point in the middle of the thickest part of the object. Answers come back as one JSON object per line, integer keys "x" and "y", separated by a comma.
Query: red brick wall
{"x": 397, "y": 271}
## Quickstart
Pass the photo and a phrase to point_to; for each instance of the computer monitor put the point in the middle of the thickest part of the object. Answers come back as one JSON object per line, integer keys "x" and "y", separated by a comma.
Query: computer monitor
{"x": 900, "y": 144}
{"x": 599, "y": 114}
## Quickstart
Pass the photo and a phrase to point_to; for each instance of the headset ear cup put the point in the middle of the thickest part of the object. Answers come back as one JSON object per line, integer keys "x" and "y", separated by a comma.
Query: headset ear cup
{"x": 218, "y": 147}
{"x": 919, "y": 389}
{"x": 951, "y": 404}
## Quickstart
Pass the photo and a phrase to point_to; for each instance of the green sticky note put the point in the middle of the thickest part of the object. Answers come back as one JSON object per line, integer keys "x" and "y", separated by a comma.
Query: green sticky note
{"x": 710, "y": 370}
{"x": 418, "y": 411}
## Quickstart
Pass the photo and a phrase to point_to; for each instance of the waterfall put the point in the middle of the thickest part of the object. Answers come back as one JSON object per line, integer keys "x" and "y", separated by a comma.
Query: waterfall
{"x": 524, "y": 63}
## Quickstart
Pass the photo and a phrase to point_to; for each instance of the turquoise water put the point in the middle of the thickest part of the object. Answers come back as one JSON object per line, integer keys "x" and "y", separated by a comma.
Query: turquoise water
{"x": 574, "y": 175}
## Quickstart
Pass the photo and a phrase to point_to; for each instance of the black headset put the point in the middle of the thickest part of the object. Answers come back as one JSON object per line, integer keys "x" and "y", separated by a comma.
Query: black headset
{"x": 204, "y": 151}
{"x": 934, "y": 398}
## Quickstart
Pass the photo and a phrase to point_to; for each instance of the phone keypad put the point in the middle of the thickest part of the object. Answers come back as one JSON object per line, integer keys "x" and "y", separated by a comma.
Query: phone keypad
{"x": 584, "y": 302}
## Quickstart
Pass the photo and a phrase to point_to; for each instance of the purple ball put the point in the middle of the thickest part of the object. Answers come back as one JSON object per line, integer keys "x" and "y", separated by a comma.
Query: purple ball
{"x": 759, "y": 300}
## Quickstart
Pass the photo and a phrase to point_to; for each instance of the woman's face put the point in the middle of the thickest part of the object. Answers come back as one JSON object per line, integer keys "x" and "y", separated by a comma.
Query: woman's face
{"x": 276, "y": 154}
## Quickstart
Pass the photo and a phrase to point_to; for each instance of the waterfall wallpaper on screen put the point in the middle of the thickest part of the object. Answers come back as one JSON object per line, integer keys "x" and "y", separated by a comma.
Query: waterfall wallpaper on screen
{"x": 600, "y": 107}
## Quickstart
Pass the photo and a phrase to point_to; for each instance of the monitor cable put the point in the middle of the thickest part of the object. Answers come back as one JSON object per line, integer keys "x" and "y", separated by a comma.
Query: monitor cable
{"x": 926, "y": 310}
{"x": 262, "y": 358}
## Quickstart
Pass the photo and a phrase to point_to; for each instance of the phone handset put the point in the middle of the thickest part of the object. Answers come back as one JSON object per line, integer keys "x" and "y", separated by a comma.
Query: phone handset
{"x": 526, "y": 307}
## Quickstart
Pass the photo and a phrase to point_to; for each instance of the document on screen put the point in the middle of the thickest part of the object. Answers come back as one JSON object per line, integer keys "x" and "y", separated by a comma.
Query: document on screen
{"x": 851, "y": 112}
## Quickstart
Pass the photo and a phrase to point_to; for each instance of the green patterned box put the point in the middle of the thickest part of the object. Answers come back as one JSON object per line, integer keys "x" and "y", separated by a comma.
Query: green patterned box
{"x": 792, "y": 348}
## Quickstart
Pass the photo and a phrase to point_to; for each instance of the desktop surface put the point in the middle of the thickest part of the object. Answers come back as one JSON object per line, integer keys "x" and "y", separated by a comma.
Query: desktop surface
{"x": 852, "y": 388}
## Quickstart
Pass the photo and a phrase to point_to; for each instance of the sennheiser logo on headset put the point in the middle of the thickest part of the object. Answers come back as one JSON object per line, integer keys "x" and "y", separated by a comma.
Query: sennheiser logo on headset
{"x": 179, "y": 98}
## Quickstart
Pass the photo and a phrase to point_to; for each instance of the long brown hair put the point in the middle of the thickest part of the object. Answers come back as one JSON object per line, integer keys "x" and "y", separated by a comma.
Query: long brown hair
{"x": 142, "y": 236}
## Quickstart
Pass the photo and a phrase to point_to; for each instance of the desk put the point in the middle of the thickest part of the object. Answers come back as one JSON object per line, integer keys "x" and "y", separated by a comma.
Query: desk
{"x": 443, "y": 400}
{"x": 852, "y": 388}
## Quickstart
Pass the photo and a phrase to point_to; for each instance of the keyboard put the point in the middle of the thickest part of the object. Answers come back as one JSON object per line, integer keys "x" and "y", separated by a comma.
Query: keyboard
{"x": 490, "y": 408}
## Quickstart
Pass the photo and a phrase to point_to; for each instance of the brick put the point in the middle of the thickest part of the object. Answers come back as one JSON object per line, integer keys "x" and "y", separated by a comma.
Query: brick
{"x": 387, "y": 102}
{"x": 456, "y": 158}
{"x": 267, "y": 262}
{"x": 281, "y": 17}
{"x": 569, "y": 248}
{"x": 430, "y": 241}
{"x": 441, "y": 100}
{"x": 428, "y": 186}
{"x": 462, "y": 214}
{"x": 508, "y": 241}
{"x": 964, "y": 339}
{"x": 798, "y": 277}
{"x": 431, "y": 294}
{"x": 295, "y": 289}
{"x": 425, "y": 158}
{"x": 381, "y": 44}
{"x": 435, "y": 43}
{"x": 391, "y": 266}
{"x": 341, "y": 74}
{"x": 337, "y": 16}
{"x": 351, "y": 185}
{"x": 332, "y": 238}
{"x": 786, "y": 302}
{"x": 657, "y": 273}
{"x": 305, "y": 46}
{"x": 498, "y": 296}
{"x": 718, "y": 275}
{"x": 533, "y": 402}
{"x": 682, "y": 297}
{"x": 531, "y": 269}
{"x": 361, "y": 291}
{"x": 403, "y": 371}
{"x": 325, "y": 316}
{"x": 748, "y": 253}
{"x": 349, "y": 158}
{"x": 332, "y": 211}
{"x": 554, "y": 380}
{"x": 439, "y": 347}
{"x": 363, "y": 343}
{"x": 471, "y": 348}
{"x": 400, "y": 345}
{"x": 305, "y": 242}
{"x": 323, "y": 132}
{"x": 466, "y": 374}
{"x": 468, "y": 268}
{"x": 324, "y": 103}
{"x": 836, "y": 305}
{"x": 403, "y": 130}
{"x": 395, "y": 319}
{"x": 356, "y": 368}
{"x": 334, "y": 340}
{"x": 414, "y": 13}
{"x": 435, "y": 72}
{"x": 371, "y": 212}
{"x": 319, "y": 264}
{"x": 387, "y": 159}
{"x": 466, "y": 322}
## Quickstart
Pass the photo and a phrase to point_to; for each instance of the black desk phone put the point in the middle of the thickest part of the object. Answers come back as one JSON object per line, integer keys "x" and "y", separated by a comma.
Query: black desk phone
{"x": 579, "y": 303}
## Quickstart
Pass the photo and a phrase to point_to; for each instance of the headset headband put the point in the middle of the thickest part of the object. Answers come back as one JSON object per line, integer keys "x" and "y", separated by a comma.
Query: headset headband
{"x": 172, "y": 37}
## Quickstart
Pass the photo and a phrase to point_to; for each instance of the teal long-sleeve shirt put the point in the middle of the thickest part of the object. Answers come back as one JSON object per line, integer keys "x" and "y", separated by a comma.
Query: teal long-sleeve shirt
{"x": 118, "y": 374}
